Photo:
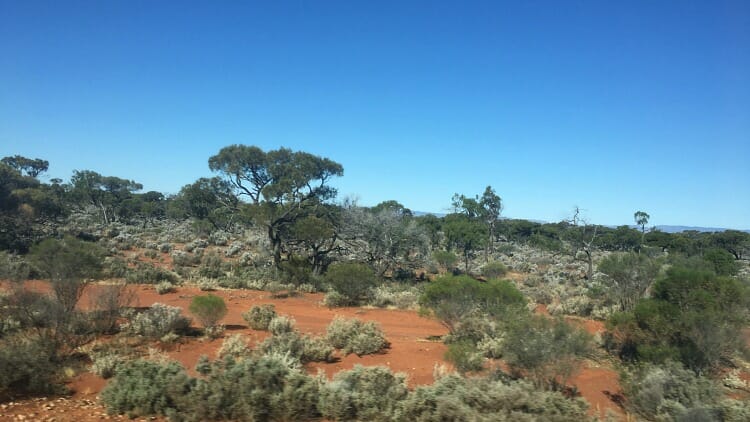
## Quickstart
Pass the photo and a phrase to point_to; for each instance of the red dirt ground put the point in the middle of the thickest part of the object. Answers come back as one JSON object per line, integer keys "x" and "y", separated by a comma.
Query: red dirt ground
{"x": 411, "y": 352}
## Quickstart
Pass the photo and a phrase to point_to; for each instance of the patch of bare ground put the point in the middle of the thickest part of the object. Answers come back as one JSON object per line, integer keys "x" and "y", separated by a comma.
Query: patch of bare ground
{"x": 410, "y": 350}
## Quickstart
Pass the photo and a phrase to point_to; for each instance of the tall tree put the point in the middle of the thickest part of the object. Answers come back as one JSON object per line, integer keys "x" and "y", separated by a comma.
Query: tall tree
{"x": 581, "y": 238}
{"x": 282, "y": 185}
{"x": 641, "y": 219}
{"x": 27, "y": 166}
{"x": 107, "y": 193}
{"x": 485, "y": 209}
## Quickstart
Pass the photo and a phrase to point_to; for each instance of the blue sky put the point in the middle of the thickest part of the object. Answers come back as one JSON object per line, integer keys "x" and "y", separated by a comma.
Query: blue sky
{"x": 611, "y": 106}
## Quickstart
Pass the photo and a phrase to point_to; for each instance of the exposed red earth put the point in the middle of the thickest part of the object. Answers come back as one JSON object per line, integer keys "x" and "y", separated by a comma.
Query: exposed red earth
{"x": 411, "y": 350}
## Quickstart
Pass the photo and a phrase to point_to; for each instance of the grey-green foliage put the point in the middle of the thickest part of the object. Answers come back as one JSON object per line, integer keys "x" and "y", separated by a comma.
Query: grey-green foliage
{"x": 260, "y": 316}
{"x": 670, "y": 392}
{"x": 158, "y": 321}
{"x": 356, "y": 336}
{"x": 547, "y": 350}
{"x": 142, "y": 387}
{"x": 301, "y": 348}
{"x": 363, "y": 393}
{"x": 454, "y": 398}
{"x": 252, "y": 389}
{"x": 27, "y": 367}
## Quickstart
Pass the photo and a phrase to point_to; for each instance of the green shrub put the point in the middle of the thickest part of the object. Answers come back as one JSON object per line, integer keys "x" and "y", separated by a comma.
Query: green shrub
{"x": 149, "y": 274}
{"x": 212, "y": 266}
{"x": 27, "y": 367}
{"x": 453, "y": 298}
{"x": 363, "y": 393}
{"x": 668, "y": 392}
{"x": 722, "y": 262}
{"x": 335, "y": 299}
{"x": 692, "y": 316}
{"x": 301, "y": 348}
{"x": 356, "y": 336}
{"x": 281, "y": 325}
{"x": 253, "y": 389}
{"x": 259, "y": 316}
{"x": 454, "y": 398}
{"x": 548, "y": 351}
{"x": 352, "y": 281}
{"x": 142, "y": 387}
{"x": 158, "y": 321}
{"x": 209, "y": 309}
{"x": 494, "y": 270}
{"x": 105, "y": 364}
{"x": 445, "y": 259}
{"x": 165, "y": 287}
{"x": 235, "y": 346}
{"x": 465, "y": 357}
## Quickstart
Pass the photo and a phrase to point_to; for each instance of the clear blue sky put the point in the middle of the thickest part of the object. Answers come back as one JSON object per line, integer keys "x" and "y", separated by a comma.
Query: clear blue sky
{"x": 611, "y": 106}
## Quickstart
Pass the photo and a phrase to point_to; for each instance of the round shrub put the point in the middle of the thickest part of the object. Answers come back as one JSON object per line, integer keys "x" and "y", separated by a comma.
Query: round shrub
{"x": 355, "y": 336}
{"x": 209, "y": 309}
{"x": 259, "y": 316}
{"x": 363, "y": 393}
{"x": 352, "y": 281}
{"x": 494, "y": 270}
{"x": 281, "y": 325}
{"x": 158, "y": 321}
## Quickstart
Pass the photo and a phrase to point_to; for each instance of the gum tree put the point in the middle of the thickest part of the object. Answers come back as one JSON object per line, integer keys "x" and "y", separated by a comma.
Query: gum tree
{"x": 282, "y": 186}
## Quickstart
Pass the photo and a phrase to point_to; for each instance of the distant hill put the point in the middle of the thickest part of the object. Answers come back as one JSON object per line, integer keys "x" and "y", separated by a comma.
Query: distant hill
{"x": 664, "y": 228}
{"x": 677, "y": 229}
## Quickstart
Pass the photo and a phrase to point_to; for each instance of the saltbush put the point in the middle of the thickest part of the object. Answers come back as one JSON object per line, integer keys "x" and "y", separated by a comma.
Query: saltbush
{"x": 494, "y": 270}
{"x": 356, "y": 336}
{"x": 668, "y": 392}
{"x": 235, "y": 346}
{"x": 259, "y": 316}
{"x": 301, "y": 348}
{"x": 27, "y": 367}
{"x": 165, "y": 287}
{"x": 158, "y": 321}
{"x": 464, "y": 356}
{"x": 454, "y": 398}
{"x": 281, "y": 325}
{"x": 142, "y": 387}
{"x": 363, "y": 393}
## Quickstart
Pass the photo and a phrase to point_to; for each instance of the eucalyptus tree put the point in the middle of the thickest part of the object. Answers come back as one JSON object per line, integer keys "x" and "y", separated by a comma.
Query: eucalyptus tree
{"x": 485, "y": 209}
{"x": 106, "y": 193}
{"x": 282, "y": 186}
{"x": 384, "y": 236}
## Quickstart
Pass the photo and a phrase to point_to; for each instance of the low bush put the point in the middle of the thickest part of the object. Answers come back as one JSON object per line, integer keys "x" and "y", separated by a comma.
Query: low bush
{"x": 148, "y": 274}
{"x": 165, "y": 287}
{"x": 254, "y": 389}
{"x": 356, "y": 336}
{"x": 158, "y": 321}
{"x": 209, "y": 309}
{"x": 235, "y": 346}
{"x": 142, "y": 388}
{"x": 547, "y": 351}
{"x": 669, "y": 392}
{"x": 465, "y": 357}
{"x": 494, "y": 270}
{"x": 454, "y": 398}
{"x": 445, "y": 259}
{"x": 301, "y": 348}
{"x": 352, "y": 281}
{"x": 27, "y": 367}
{"x": 281, "y": 325}
{"x": 363, "y": 393}
{"x": 259, "y": 316}
{"x": 105, "y": 364}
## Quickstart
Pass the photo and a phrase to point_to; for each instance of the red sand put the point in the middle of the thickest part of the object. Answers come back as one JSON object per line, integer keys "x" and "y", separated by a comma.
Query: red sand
{"x": 411, "y": 352}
